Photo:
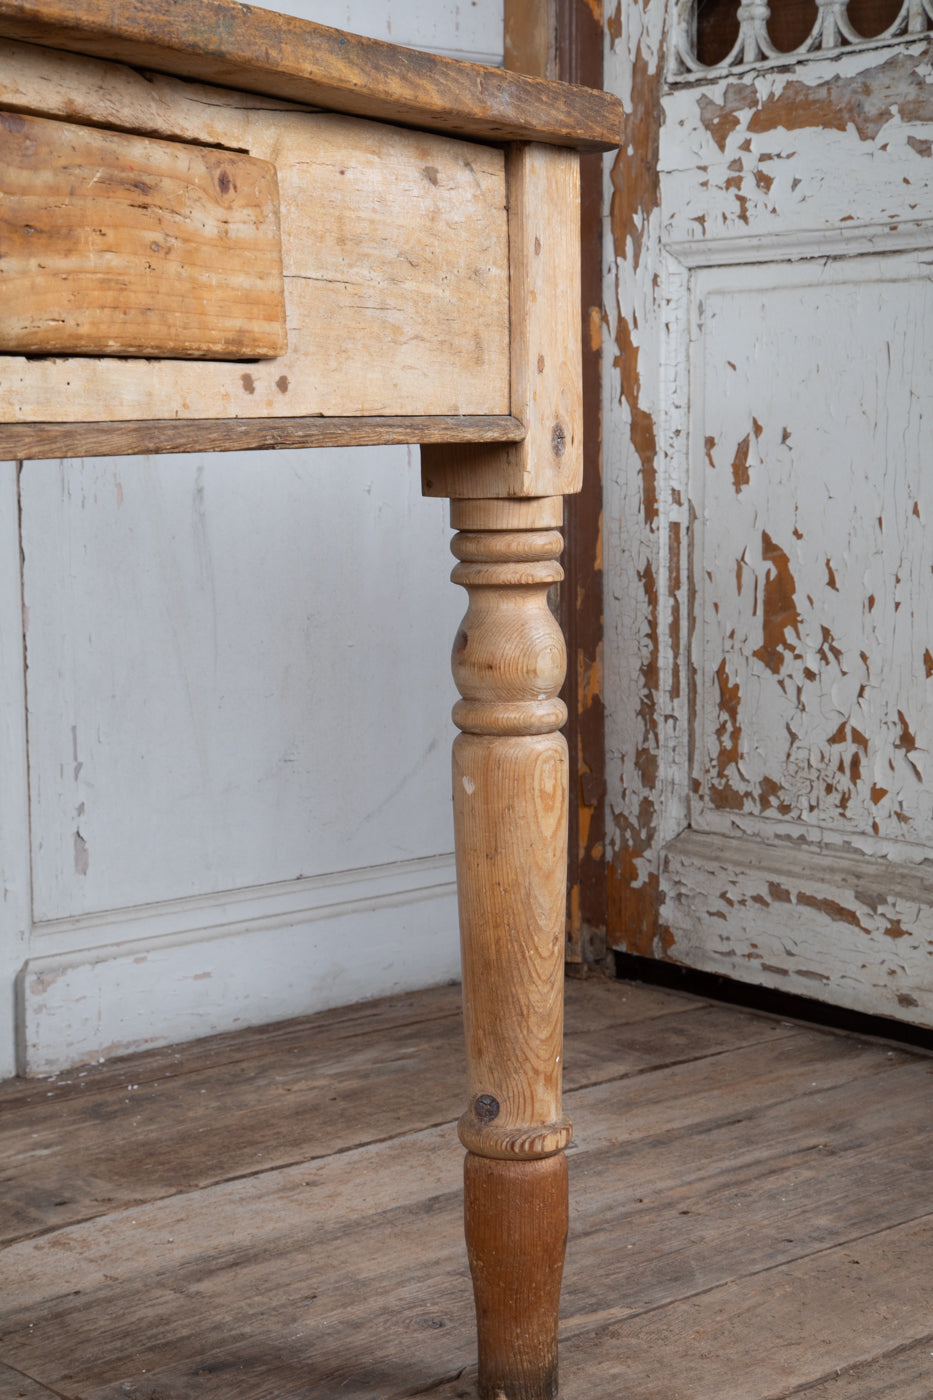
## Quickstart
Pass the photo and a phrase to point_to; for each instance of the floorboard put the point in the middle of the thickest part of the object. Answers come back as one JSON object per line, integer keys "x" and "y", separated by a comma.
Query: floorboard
{"x": 121, "y": 1141}
{"x": 14, "y": 1386}
{"x": 906, "y": 1374}
{"x": 751, "y": 1213}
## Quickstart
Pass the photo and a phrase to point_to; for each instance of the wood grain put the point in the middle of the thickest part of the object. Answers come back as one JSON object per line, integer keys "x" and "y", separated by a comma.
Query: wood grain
{"x": 291, "y": 1093}
{"x": 345, "y": 1276}
{"x": 837, "y": 1308}
{"x": 516, "y": 1232}
{"x": 121, "y": 245}
{"x": 41, "y": 440}
{"x": 510, "y": 812}
{"x": 904, "y": 1374}
{"x": 262, "y": 52}
{"x": 15, "y": 1386}
{"x": 775, "y": 1119}
{"x": 534, "y": 513}
{"x": 510, "y": 830}
{"x": 544, "y": 290}
{"x": 360, "y": 271}
{"x": 531, "y": 37}
{"x": 509, "y": 808}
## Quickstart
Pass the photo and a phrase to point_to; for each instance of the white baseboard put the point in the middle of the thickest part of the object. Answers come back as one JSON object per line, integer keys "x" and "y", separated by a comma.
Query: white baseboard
{"x": 133, "y": 979}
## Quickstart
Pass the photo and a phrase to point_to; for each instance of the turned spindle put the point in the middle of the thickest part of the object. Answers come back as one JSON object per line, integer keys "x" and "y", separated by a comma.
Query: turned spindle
{"x": 510, "y": 775}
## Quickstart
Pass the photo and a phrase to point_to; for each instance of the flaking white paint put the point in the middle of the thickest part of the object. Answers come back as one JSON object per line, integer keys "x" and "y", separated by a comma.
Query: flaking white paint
{"x": 817, "y": 924}
{"x": 825, "y": 484}
{"x": 645, "y": 304}
{"x": 777, "y": 292}
{"x": 738, "y": 185}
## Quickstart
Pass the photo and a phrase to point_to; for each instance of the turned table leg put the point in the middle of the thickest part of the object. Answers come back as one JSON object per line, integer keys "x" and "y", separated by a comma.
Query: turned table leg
{"x": 510, "y": 816}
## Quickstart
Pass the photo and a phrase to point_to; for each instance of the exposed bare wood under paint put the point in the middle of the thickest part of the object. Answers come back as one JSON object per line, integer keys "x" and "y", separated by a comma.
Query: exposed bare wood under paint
{"x": 769, "y": 641}
{"x": 818, "y": 923}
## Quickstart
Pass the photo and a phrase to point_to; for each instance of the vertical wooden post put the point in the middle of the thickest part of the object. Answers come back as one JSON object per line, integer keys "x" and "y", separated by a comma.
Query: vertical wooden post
{"x": 510, "y": 777}
{"x": 510, "y": 814}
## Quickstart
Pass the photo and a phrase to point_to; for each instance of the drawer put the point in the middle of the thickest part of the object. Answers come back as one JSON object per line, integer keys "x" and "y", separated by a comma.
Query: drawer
{"x": 174, "y": 251}
{"x": 115, "y": 244}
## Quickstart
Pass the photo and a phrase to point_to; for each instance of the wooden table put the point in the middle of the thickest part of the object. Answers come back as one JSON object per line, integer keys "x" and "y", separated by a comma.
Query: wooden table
{"x": 222, "y": 228}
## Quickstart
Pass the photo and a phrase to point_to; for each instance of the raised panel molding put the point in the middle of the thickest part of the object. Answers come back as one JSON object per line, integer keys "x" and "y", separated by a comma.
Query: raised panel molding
{"x": 130, "y": 979}
{"x": 812, "y": 551}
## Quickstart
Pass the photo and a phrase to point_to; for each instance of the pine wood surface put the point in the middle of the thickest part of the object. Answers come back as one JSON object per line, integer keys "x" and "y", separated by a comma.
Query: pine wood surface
{"x": 41, "y": 440}
{"x": 510, "y": 798}
{"x": 360, "y": 270}
{"x": 121, "y": 245}
{"x": 263, "y": 52}
{"x": 516, "y": 1218}
{"x": 515, "y": 513}
{"x": 543, "y": 191}
{"x": 750, "y": 1212}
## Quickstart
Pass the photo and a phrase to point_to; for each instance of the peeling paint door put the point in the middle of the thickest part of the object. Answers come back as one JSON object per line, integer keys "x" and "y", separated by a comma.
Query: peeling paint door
{"x": 769, "y": 451}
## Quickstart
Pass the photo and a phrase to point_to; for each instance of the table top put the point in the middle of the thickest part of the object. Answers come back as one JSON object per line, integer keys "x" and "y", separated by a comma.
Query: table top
{"x": 222, "y": 42}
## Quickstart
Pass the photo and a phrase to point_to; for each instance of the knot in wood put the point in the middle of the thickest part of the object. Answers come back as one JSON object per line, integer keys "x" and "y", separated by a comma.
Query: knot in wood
{"x": 485, "y": 1108}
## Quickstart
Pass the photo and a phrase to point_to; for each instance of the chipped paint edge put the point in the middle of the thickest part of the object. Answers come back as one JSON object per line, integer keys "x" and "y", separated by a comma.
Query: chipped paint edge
{"x": 819, "y": 925}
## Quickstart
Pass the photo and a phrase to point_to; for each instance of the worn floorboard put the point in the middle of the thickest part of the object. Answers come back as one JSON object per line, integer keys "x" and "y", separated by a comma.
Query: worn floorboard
{"x": 157, "y": 1129}
{"x": 276, "y": 1215}
{"x": 14, "y": 1386}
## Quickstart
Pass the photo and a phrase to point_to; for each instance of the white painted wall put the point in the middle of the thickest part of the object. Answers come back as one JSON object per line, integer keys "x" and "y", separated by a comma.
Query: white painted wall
{"x": 470, "y": 29}
{"x": 235, "y": 722}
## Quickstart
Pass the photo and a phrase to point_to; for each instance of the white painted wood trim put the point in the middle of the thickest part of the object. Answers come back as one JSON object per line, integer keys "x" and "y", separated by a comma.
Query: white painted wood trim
{"x": 838, "y": 927}
{"x": 779, "y": 194}
{"x": 851, "y": 241}
{"x": 14, "y": 780}
{"x": 673, "y": 469}
{"x": 129, "y": 979}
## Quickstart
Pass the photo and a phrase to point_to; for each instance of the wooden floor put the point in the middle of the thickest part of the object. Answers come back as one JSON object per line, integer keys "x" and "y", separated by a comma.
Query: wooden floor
{"x": 275, "y": 1214}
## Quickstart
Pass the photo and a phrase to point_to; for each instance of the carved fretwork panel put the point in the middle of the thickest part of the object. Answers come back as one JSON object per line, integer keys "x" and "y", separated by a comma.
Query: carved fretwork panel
{"x": 714, "y": 36}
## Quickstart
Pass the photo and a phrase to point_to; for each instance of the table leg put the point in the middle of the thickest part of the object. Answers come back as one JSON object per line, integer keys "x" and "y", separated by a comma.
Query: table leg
{"x": 510, "y": 814}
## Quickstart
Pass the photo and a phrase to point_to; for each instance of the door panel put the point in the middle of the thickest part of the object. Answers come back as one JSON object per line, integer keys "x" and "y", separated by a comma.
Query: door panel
{"x": 812, "y": 553}
{"x": 773, "y": 816}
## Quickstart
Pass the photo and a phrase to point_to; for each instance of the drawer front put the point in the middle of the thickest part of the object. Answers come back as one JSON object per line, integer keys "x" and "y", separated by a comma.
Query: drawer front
{"x": 112, "y": 244}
